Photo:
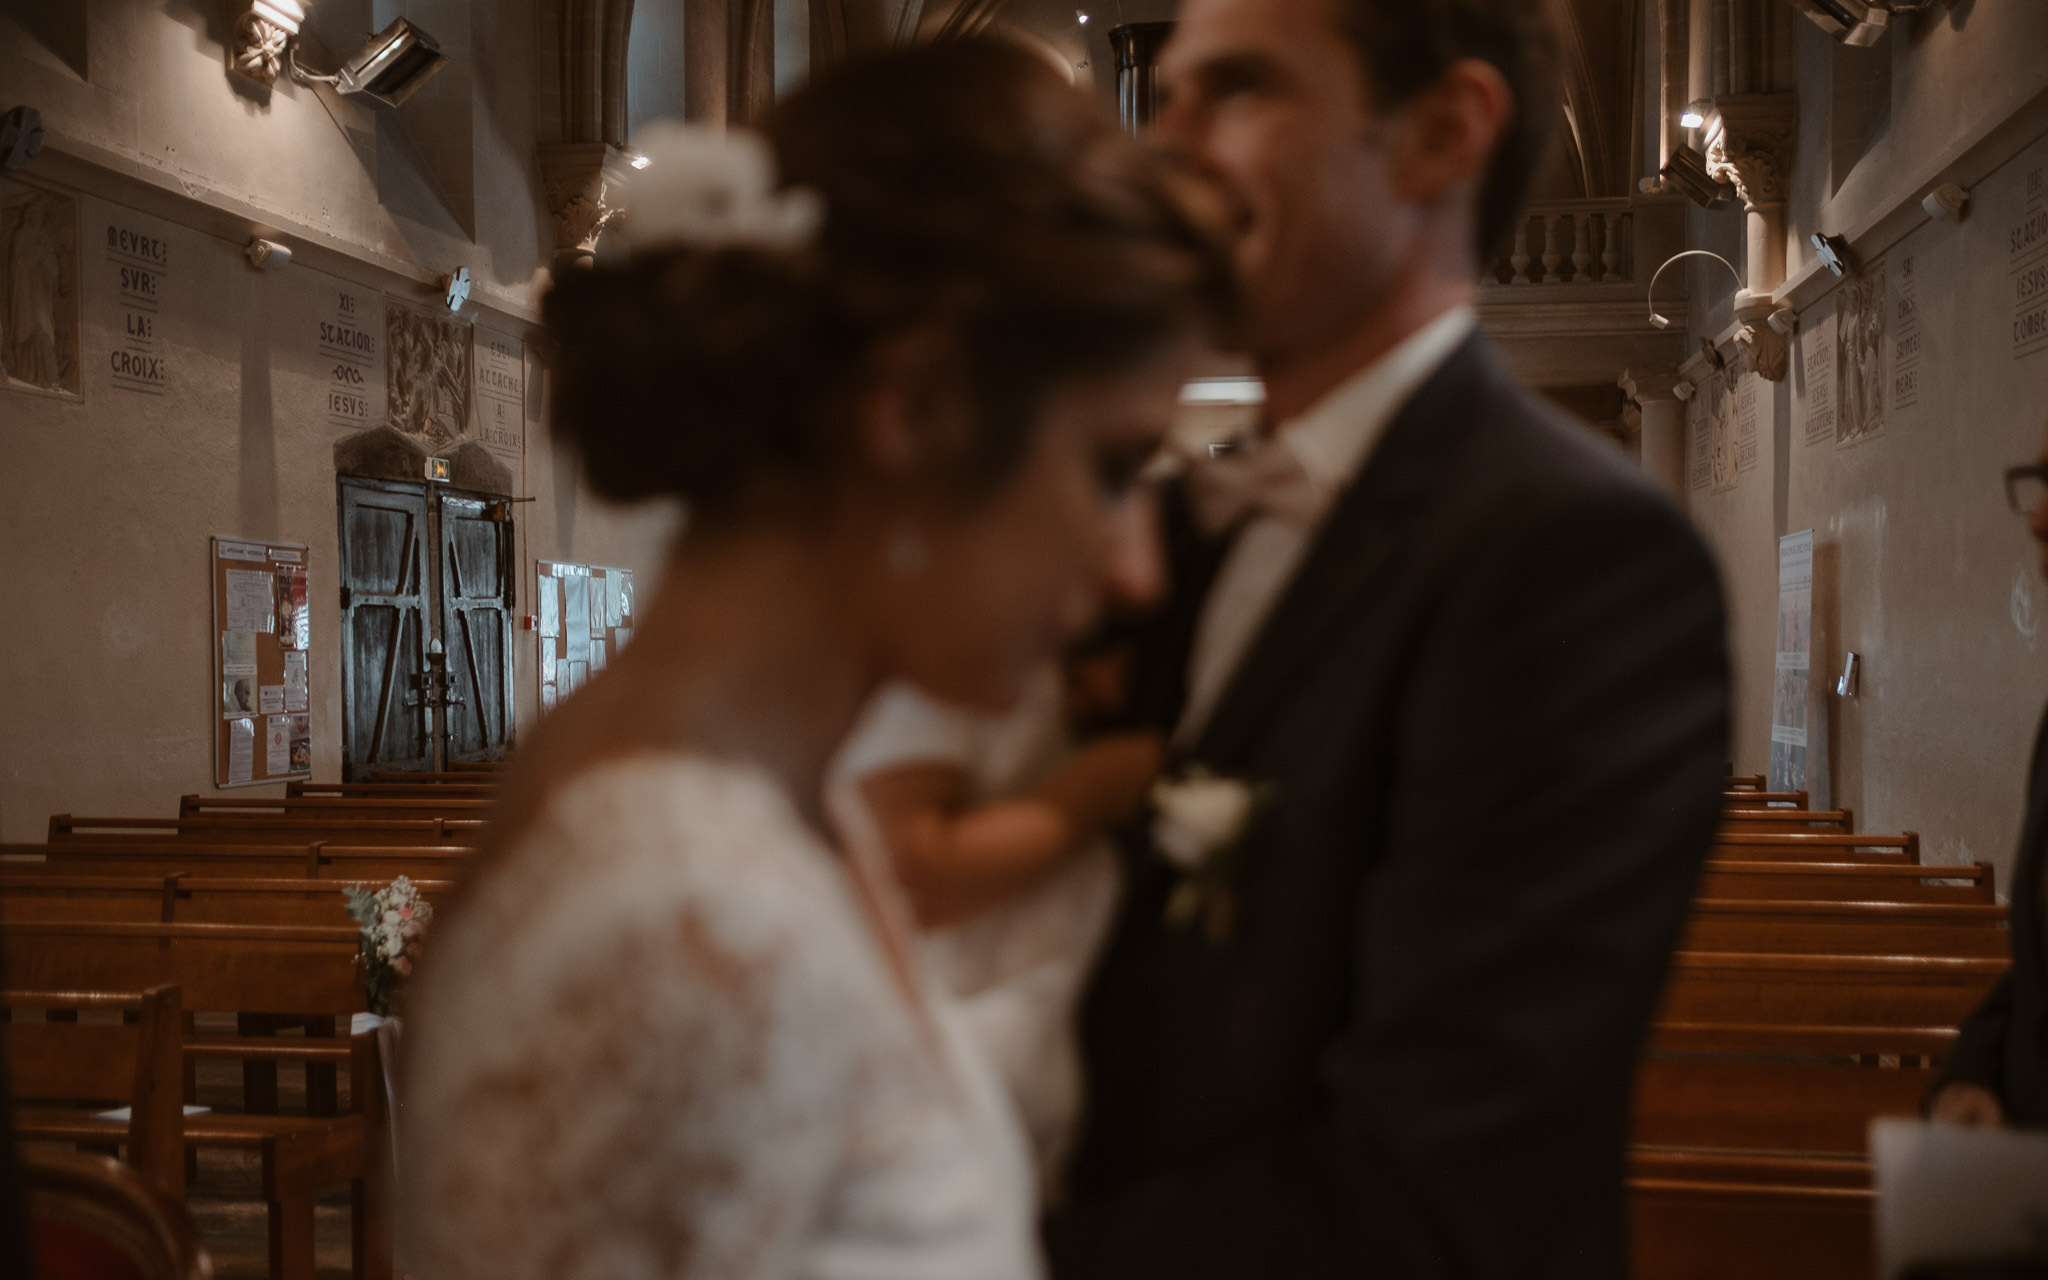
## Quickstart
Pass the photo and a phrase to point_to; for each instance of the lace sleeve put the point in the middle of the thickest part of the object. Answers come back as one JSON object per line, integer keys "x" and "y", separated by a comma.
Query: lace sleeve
{"x": 649, "y": 1114}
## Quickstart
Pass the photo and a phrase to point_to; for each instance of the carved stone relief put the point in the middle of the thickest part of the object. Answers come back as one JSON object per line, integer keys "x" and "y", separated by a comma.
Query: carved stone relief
{"x": 39, "y": 288}
{"x": 1721, "y": 417}
{"x": 1859, "y": 357}
{"x": 429, "y": 375}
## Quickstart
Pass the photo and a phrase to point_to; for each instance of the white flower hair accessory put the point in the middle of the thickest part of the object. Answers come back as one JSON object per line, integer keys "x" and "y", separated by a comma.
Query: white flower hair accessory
{"x": 708, "y": 188}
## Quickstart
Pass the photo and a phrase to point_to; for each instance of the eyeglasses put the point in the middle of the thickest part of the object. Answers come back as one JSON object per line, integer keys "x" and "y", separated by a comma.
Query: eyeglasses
{"x": 2026, "y": 486}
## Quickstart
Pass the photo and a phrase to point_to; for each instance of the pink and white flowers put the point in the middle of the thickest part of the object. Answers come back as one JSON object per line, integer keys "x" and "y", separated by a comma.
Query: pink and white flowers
{"x": 393, "y": 920}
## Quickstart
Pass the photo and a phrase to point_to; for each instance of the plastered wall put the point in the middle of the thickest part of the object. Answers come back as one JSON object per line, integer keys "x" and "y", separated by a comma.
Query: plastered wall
{"x": 108, "y": 498}
{"x": 1920, "y": 567}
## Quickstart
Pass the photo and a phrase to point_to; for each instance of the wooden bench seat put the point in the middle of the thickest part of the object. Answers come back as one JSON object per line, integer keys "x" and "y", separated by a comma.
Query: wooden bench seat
{"x": 1813, "y": 846}
{"x": 1848, "y": 928}
{"x": 317, "y": 861}
{"x": 1846, "y": 882}
{"x": 259, "y": 829}
{"x": 181, "y": 898}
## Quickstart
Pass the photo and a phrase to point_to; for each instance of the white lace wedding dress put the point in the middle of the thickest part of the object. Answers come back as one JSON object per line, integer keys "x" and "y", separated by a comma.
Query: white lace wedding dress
{"x": 661, "y": 1038}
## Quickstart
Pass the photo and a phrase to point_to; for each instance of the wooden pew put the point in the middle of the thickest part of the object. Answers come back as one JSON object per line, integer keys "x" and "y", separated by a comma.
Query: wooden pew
{"x": 1696, "y": 1216}
{"x": 1744, "y": 781}
{"x": 316, "y": 861}
{"x": 1765, "y": 799}
{"x": 334, "y": 808}
{"x": 1814, "y": 846}
{"x": 388, "y": 791}
{"x": 66, "y": 1073}
{"x": 1846, "y": 882}
{"x": 270, "y": 830}
{"x": 242, "y": 969}
{"x": 1761, "y": 820}
{"x": 1848, "y": 928}
{"x": 1823, "y": 990}
{"x": 1733, "y": 1102}
{"x": 178, "y": 898}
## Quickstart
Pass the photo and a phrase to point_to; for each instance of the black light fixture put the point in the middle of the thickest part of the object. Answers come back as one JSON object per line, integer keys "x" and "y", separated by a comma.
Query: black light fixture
{"x": 1687, "y": 171}
{"x": 390, "y": 68}
{"x": 1833, "y": 252}
{"x": 1857, "y": 23}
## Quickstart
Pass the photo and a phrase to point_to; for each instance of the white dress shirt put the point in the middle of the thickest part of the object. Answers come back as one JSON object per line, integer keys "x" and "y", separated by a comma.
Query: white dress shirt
{"x": 1332, "y": 441}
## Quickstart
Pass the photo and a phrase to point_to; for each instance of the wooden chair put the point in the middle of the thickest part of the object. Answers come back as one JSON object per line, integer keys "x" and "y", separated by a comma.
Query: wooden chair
{"x": 92, "y": 1218}
{"x": 68, "y": 1074}
{"x": 260, "y": 829}
{"x": 315, "y": 861}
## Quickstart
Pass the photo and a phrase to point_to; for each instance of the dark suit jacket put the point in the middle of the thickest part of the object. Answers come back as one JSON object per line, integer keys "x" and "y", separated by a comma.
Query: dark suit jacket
{"x": 2004, "y": 1045}
{"x": 1493, "y": 710}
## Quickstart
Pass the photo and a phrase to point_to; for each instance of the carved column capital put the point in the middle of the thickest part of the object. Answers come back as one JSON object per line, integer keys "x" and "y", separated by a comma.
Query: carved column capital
{"x": 1643, "y": 386}
{"x": 584, "y": 183}
{"x": 1767, "y": 352}
{"x": 1752, "y": 147}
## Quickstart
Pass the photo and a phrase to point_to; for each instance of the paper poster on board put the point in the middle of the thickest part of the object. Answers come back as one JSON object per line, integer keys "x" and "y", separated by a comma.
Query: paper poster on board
{"x": 1793, "y": 668}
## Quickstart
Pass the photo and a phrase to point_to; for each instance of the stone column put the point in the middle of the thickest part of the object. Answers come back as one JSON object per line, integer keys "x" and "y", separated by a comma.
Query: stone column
{"x": 1663, "y": 427}
{"x": 1752, "y": 148}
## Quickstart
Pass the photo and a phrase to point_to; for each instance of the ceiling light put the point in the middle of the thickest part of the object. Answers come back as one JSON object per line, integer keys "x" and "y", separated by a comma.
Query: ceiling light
{"x": 1081, "y": 17}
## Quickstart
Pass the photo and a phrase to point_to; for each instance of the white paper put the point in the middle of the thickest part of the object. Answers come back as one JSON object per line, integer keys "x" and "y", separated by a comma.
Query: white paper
{"x": 121, "y": 1115}
{"x": 621, "y": 638}
{"x": 233, "y": 549}
{"x": 277, "y": 745}
{"x": 1949, "y": 1194}
{"x": 562, "y": 676}
{"x": 358, "y": 1023}
{"x": 614, "y": 598}
{"x": 626, "y": 595}
{"x": 596, "y": 656}
{"x": 597, "y": 608}
{"x": 252, "y": 604}
{"x": 578, "y": 673}
{"x": 295, "y": 680}
{"x": 576, "y": 619}
{"x": 270, "y": 699}
{"x": 550, "y": 607}
{"x": 241, "y": 750}
{"x": 547, "y": 658}
{"x": 238, "y": 653}
{"x": 547, "y": 696}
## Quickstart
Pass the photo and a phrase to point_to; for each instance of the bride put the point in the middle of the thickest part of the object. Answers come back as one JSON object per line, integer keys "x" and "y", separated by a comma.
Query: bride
{"x": 673, "y": 1027}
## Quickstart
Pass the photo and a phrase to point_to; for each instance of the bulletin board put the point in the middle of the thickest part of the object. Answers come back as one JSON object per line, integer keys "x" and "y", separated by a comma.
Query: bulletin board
{"x": 263, "y": 724}
{"x": 586, "y": 618}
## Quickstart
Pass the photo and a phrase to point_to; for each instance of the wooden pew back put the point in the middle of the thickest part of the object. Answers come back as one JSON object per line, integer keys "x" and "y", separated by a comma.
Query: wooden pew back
{"x": 335, "y": 808}
{"x": 257, "y": 829}
{"x": 178, "y": 898}
{"x": 1848, "y": 928}
{"x": 317, "y": 861}
{"x": 1814, "y": 846}
{"x": 301, "y": 970}
{"x": 1846, "y": 882}
{"x": 55, "y": 1066}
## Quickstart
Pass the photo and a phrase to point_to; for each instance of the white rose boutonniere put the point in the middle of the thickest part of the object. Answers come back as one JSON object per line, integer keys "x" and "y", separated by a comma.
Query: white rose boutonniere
{"x": 1198, "y": 826}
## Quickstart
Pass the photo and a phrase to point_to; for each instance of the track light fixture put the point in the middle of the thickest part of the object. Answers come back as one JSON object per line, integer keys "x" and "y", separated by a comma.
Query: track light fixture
{"x": 1687, "y": 171}
{"x": 1858, "y": 23}
{"x": 390, "y": 68}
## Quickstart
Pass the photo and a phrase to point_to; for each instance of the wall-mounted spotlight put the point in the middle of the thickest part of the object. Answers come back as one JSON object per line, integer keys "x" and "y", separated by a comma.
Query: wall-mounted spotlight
{"x": 1081, "y": 16}
{"x": 1858, "y": 23}
{"x": 1946, "y": 203}
{"x": 267, "y": 255}
{"x": 637, "y": 160}
{"x": 1687, "y": 171}
{"x": 1785, "y": 321}
{"x": 1695, "y": 114}
{"x": 1682, "y": 389}
{"x": 390, "y": 68}
{"x": 1833, "y": 252}
{"x": 455, "y": 288}
{"x": 1663, "y": 321}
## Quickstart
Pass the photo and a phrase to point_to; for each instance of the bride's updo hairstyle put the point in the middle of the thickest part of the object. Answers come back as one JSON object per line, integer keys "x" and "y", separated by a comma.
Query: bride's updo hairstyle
{"x": 967, "y": 190}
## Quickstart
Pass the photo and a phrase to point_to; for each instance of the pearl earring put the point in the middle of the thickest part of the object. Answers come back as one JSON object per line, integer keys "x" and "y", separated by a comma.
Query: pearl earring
{"x": 908, "y": 554}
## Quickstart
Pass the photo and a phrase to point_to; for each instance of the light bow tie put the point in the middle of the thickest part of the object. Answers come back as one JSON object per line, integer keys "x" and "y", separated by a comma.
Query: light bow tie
{"x": 1256, "y": 478}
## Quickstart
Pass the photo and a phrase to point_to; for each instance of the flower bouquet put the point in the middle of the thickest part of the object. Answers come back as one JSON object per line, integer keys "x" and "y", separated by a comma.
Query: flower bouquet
{"x": 393, "y": 920}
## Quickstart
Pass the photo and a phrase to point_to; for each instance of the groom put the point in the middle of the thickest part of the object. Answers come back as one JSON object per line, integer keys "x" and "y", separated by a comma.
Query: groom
{"x": 1471, "y": 663}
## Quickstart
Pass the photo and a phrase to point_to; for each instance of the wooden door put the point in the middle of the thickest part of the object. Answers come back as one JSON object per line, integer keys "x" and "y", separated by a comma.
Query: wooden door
{"x": 478, "y": 576}
{"x": 383, "y": 624}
